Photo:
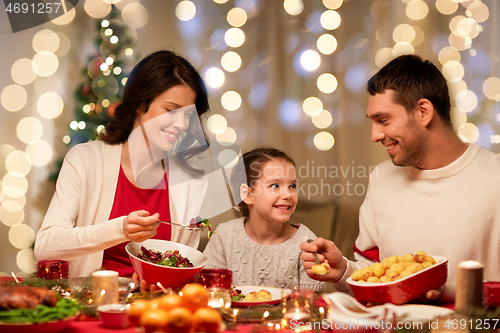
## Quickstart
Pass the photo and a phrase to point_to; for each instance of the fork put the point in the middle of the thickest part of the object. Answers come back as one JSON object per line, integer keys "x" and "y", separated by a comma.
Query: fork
{"x": 194, "y": 227}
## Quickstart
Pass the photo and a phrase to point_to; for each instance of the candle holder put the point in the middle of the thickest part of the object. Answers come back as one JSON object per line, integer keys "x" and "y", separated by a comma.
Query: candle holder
{"x": 104, "y": 287}
{"x": 296, "y": 308}
{"x": 469, "y": 289}
{"x": 217, "y": 282}
{"x": 52, "y": 269}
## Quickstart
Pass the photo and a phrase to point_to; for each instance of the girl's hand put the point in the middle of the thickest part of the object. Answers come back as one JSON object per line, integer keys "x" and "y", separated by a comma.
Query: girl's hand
{"x": 143, "y": 284}
{"x": 327, "y": 252}
{"x": 139, "y": 226}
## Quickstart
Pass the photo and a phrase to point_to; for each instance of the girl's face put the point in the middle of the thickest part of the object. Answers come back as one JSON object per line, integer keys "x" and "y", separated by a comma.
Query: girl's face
{"x": 273, "y": 196}
{"x": 168, "y": 116}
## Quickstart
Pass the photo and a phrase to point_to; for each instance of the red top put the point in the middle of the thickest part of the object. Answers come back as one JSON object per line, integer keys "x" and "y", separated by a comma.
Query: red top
{"x": 129, "y": 198}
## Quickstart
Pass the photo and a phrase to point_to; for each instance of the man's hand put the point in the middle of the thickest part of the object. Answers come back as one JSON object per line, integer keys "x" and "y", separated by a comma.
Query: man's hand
{"x": 139, "y": 226}
{"x": 143, "y": 284}
{"x": 327, "y": 252}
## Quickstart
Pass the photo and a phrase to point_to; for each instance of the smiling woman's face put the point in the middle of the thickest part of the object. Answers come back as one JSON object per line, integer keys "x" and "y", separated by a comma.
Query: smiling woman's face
{"x": 168, "y": 116}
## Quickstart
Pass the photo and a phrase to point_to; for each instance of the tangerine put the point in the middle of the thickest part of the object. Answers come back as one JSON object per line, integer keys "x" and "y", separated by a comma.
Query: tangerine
{"x": 154, "y": 320}
{"x": 206, "y": 320}
{"x": 136, "y": 310}
{"x": 168, "y": 302}
{"x": 194, "y": 296}
{"x": 180, "y": 320}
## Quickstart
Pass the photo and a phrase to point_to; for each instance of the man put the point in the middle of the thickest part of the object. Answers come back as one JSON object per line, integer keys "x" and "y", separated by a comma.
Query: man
{"x": 438, "y": 195}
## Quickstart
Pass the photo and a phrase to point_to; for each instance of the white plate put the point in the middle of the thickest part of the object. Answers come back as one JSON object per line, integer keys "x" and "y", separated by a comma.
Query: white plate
{"x": 275, "y": 295}
{"x": 419, "y": 312}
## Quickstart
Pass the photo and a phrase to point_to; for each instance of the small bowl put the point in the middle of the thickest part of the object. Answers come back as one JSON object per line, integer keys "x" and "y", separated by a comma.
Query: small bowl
{"x": 113, "y": 316}
{"x": 491, "y": 293}
{"x": 405, "y": 289}
{"x": 173, "y": 277}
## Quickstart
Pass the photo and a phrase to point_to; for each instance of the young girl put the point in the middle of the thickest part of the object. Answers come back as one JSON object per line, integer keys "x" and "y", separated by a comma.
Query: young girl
{"x": 262, "y": 248}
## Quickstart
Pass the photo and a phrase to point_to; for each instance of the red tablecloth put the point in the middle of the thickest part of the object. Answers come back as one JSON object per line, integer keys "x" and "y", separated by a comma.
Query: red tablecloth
{"x": 95, "y": 326}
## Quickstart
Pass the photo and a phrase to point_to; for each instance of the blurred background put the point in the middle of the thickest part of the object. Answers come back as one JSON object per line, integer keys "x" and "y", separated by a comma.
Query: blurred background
{"x": 289, "y": 74}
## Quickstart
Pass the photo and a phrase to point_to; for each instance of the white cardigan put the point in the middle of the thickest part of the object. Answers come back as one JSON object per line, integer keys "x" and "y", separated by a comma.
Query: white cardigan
{"x": 76, "y": 226}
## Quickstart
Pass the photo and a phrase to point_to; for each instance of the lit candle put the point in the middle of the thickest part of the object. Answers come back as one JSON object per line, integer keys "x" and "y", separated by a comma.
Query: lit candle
{"x": 104, "y": 287}
{"x": 469, "y": 292}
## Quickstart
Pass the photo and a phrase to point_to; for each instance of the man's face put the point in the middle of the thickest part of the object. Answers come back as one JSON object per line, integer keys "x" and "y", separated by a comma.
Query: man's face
{"x": 396, "y": 129}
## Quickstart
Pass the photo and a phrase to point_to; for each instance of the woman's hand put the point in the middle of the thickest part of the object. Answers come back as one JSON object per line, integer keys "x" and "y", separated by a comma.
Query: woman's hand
{"x": 143, "y": 284}
{"x": 327, "y": 252}
{"x": 139, "y": 226}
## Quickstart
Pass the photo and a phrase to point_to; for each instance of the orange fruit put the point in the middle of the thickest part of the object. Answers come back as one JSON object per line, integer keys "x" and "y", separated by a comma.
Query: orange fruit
{"x": 180, "y": 320}
{"x": 206, "y": 320}
{"x": 154, "y": 320}
{"x": 168, "y": 302}
{"x": 136, "y": 310}
{"x": 194, "y": 296}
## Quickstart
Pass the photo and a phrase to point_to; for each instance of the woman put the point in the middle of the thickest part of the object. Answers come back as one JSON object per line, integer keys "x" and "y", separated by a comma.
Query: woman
{"x": 103, "y": 196}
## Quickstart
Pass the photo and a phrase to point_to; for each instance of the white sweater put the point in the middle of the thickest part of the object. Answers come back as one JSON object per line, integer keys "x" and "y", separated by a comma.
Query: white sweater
{"x": 452, "y": 211}
{"x": 261, "y": 265}
{"x": 76, "y": 226}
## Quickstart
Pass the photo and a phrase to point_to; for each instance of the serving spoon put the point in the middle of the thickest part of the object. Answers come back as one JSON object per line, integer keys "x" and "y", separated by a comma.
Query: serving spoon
{"x": 130, "y": 286}
{"x": 319, "y": 268}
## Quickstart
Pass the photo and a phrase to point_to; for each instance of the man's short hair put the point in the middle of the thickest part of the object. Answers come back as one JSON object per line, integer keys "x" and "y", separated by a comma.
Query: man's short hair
{"x": 412, "y": 78}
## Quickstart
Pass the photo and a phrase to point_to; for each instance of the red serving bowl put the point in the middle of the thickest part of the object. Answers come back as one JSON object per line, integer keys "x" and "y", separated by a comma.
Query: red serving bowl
{"x": 173, "y": 277}
{"x": 404, "y": 290}
{"x": 491, "y": 293}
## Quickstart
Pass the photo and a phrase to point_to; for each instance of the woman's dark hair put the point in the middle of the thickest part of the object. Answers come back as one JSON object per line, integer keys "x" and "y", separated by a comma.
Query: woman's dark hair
{"x": 412, "y": 78}
{"x": 151, "y": 77}
{"x": 254, "y": 162}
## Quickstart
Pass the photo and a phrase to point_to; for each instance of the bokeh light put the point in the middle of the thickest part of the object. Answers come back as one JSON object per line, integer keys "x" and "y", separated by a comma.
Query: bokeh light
{"x": 228, "y": 158}
{"x": 39, "y": 152}
{"x": 330, "y": 20}
{"x": 50, "y": 105}
{"x": 310, "y": 60}
{"x": 226, "y": 137}
{"x": 135, "y": 14}
{"x": 453, "y": 70}
{"x": 324, "y": 141}
{"x": 13, "y": 97}
{"x": 448, "y": 53}
{"x": 214, "y": 77}
{"x": 231, "y": 100}
{"x": 21, "y": 236}
{"x": 231, "y": 61}
{"x": 293, "y": 7}
{"x": 446, "y": 7}
{"x": 456, "y": 87}
{"x": 18, "y": 161}
{"x": 64, "y": 19}
{"x": 383, "y": 56}
{"x": 478, "y": 11}
{"x": 236, "y": 17}
{"x": 216, "y": 123}
{"x": 234, "y": 37}
{"x": 64, "y": 45}
{"x": 327, "y": 83}
{"x": 417, "y": 10}
{"x": 14, "y": 184}
{"x": 312, "y": 105}
{"x": 97, "y": 8}
{"x": 45, "y": 40}
{"x": 402, "y": 48}
{"x": 29, "y": 130}
{"x": 332, "y": 4}
{"x": 322, "y": 119}
{"x": 185, "y": 10}
{"x": 491, "y": 88}
{"x": 45, "y": 63}
{"x": 11, "y": 218}
{"x": 466, "y": 101}
{"x": 25, "y": 260}
{"x": 469, "y": 131}
{"x": 22, "y": 71}
{"x": 326, "y": 44}
{"x": 403, "y": 33}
